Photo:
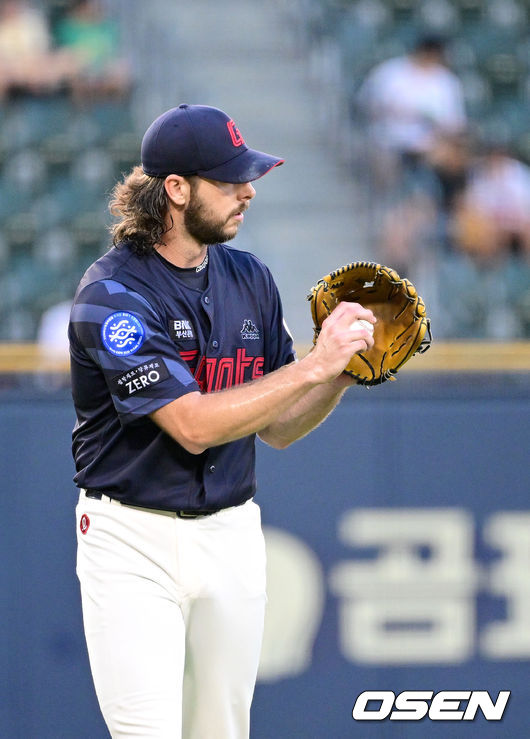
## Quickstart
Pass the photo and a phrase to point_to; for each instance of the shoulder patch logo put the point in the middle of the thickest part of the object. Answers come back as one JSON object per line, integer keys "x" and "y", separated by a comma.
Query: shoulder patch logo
{"x": 122, "y": 333}
{"x": 249, "y": 330}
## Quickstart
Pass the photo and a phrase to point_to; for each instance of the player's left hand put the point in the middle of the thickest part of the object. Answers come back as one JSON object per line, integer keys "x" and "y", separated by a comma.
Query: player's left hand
{"x": 402, "y": 328}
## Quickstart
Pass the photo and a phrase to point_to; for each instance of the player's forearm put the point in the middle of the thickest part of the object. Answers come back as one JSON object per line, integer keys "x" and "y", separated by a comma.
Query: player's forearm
{"x": 304, "y": 415}
{"x": 198, "y": 422}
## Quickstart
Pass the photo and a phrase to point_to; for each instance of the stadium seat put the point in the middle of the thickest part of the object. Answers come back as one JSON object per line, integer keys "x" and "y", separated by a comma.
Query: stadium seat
{"x": 58, "y": 151}
{"x": 402, "y": 10}
{"x": 29, "y": 121}
{"x": 18, "y": 324}
{"x": 507, "y": 14}
{"x": 438, "y": 16}
{"x": 124, "y": 151}
{"x": 92, "y": 171}
{"x": 470, "y": 11}
{"x": 110, "y": 118}
{"x": 477, "y": 92}
{"x": 55, "y": 251}
{"x": 88, "y": 230}
{"x": 505, "y": 74}
{"x": 19, "y": 231}
{"x": 26, "y": 170}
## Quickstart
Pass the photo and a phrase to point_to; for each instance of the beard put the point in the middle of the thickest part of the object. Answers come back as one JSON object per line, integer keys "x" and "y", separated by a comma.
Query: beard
{"x": 203, "y": 226}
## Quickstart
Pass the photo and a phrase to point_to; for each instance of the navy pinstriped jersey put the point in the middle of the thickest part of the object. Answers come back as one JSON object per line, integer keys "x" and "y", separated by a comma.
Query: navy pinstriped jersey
{"x": 141, "y": 337}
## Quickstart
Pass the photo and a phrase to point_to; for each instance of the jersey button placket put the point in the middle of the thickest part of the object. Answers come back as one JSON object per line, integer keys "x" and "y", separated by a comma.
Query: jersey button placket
{"x": 208, "y": 306}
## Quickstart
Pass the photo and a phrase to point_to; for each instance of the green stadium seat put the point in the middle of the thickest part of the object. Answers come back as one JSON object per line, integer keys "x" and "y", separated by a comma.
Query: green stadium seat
{"x": 27, "y": 122}
{"x": 58, "y": 151}
{"x": 26, "y": 170}
{"x": 402, "y": 10}
{"x": 470, "y": 11}
{"x": 55, "y": 251}
{"x": 439, "y": 16}
{"x": 18, "y": 324}
{"x": 124, "y": 151}
{"x": 110, "y": 118}
{"x": 19, "y": 230}
{"x": 89, "y": 230}
{"x": 477, "y": 92}
{"x": 505, "y": 74}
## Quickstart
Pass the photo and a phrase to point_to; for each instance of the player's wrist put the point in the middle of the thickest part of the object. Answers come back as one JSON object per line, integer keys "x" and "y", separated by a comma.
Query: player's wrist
{"x": 314, "y": 372}
{"x": 343, "y": 381}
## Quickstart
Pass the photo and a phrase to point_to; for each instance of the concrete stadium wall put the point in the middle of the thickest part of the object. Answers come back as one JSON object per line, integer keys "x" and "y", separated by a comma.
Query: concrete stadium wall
{"x": 399, "y": 542}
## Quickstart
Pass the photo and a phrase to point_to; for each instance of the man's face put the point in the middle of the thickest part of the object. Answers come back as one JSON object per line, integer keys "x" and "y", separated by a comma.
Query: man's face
{"x": 215, "y": 210}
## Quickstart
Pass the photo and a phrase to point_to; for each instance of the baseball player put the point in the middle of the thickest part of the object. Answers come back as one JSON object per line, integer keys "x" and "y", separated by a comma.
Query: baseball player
{"x": 179, "y": 357}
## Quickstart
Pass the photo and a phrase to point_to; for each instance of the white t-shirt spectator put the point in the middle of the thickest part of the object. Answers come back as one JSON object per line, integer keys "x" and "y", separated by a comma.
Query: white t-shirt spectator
{"x": 408, "y": 103}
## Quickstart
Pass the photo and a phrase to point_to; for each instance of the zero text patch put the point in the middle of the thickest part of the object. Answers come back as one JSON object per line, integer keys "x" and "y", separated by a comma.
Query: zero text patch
{"x": 139, "y": 378}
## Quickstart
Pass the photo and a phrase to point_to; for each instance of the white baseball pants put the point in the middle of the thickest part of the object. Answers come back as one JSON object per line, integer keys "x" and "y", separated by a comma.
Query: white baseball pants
{"x": 173, "y": 613}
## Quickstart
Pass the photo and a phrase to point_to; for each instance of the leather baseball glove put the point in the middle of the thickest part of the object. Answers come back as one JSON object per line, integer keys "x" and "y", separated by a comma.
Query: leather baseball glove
{"x": 402, "y": 329}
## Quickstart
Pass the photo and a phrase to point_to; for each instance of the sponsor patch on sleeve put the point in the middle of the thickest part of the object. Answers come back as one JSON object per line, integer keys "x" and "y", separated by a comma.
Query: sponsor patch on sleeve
{"x": 139, "y": 378}
{"x": 122, "y": 333}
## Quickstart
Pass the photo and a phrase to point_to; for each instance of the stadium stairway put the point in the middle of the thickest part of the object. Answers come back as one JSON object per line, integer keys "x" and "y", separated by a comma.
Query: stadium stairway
{"x": 247, "y": 58}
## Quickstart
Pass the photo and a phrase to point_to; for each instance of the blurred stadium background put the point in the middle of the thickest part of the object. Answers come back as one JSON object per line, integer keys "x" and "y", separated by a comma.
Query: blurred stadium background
{"x": 440, "y": 483}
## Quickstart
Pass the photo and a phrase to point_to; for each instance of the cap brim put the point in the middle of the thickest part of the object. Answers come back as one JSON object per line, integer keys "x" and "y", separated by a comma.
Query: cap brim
{"x": 245, "y": 167}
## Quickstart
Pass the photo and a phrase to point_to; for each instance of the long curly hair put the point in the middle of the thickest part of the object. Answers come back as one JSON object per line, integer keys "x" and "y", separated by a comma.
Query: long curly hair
{"x": 141, "y": 204}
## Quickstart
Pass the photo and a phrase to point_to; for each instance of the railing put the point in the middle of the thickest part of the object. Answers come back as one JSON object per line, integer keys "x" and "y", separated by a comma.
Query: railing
{"x": 444, "y": 356}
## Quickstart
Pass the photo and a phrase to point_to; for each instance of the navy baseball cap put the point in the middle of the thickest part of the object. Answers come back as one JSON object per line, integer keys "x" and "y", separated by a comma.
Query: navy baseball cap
{"x": 200, "y": 140}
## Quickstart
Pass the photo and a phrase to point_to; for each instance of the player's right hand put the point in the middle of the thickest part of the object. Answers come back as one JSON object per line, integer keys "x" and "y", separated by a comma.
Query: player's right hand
{"x": 338, "y": 342}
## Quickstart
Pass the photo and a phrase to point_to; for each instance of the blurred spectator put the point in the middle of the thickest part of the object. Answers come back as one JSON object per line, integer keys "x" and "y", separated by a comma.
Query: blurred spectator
{"x": 409, "y": 101}
{"x": 28, "y": 64}
{"x": 490, "y": 228}
{"x": 54, "y": 351}
{"x": 52, "y": 334}
{"x": 492, "y": 216}
{"x": 414, "y": 217}
{"x": 450, "y": 160}
{"x": 94, "y": 41}
{"x": 406, "y": 230}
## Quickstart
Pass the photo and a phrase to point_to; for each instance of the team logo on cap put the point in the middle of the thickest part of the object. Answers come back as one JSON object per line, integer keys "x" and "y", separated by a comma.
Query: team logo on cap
{"x": 235, "y": 133}
{"x": 122, "y": 333}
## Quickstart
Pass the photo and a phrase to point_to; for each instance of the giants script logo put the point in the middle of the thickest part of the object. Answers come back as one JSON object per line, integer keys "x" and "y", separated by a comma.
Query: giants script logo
{"x": 217, "y": 373}
{"x": 235, "y": 133}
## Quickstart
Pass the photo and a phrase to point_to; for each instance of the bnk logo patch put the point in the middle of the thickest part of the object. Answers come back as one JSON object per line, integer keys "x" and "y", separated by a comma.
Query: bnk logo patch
{"x": 181, "y": 329}
{"x": 122, "y": 333}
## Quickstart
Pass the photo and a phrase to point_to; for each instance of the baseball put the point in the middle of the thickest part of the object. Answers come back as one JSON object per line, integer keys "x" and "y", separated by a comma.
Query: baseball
{"x": 362, "y": 324}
